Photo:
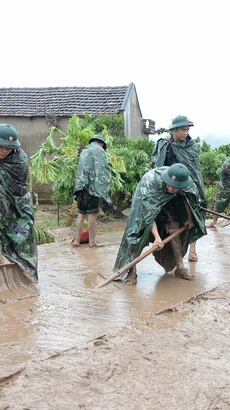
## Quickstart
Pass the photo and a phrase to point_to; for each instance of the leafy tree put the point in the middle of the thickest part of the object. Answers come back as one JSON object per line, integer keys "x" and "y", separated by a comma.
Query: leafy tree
{"x": 211, "y": 162}
{"x": 210, "y": 192}
{"x": 58, "y": 163}
{"x": 224, "y": 149}
{"x": 113, "y": 123}
{"x": 57, "y": 158}
{"x": 204, "y": 147}
{"x": 161, "y": 131}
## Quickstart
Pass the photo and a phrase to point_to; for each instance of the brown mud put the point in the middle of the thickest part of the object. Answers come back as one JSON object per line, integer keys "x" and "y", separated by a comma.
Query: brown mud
{"x": 162, "y": 344}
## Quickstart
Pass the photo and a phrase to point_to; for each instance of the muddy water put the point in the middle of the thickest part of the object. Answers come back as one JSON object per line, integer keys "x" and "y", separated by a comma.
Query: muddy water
{"x": 70, "y": 311}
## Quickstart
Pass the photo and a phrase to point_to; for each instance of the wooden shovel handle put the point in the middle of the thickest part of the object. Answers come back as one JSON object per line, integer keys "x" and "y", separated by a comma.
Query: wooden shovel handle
{"x": 215, "y": 213}
{"x": 153, "y": 248}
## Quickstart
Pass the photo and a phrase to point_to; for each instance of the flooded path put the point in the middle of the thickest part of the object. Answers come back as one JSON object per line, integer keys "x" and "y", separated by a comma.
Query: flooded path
{"x": 70, "y": 311}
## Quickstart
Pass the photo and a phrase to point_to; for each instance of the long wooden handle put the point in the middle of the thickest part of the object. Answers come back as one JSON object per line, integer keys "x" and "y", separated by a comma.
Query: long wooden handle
{"x": 153, "y": 248}
{"x": 214, "y": 212}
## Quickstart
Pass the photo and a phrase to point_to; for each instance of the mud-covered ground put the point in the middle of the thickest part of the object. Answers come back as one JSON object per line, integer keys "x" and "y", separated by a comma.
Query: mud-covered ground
{"x": 162, "y": 344}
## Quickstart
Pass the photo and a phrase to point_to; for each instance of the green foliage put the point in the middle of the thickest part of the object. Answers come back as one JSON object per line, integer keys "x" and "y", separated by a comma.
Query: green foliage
{"x": 211, "y": 162}
{"x": 58, "y": 163}
{"x": 129, "y": 159}
{"x": 204, "y": 147}
{"x": 224, "y": 149}
{"x": 210, "y": 192}
{"x": 136, "y": 155}
{"x": 113, "y": 123}
{"x": 161, "y": 131}
{"x": 136, "y": 164}
{"x": 138, "y": 144}
{"x": 43, "y": 236}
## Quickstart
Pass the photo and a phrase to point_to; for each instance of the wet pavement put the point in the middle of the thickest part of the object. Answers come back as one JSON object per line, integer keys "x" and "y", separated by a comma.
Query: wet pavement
{"x": 70, "y": 311}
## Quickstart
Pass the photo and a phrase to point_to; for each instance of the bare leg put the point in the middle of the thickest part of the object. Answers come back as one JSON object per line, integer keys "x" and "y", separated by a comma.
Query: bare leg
{"x": 192, "y": 253}
{"x": 92, "y": 229}
{"x": 131, "y": 278}
{"x": 177, "y": 250}
{"x": 79, "y": 226}
{"x": 213, "y": 222}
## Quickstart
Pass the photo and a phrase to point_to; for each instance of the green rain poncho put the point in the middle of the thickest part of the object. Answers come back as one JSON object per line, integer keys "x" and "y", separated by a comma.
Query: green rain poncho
{"x": 223, "y": 194}
{"x": 18, "y": 243}
{"x": 186, "y": 152}
{"x": 93, "y": 172}
{"x": 150, "y": 197}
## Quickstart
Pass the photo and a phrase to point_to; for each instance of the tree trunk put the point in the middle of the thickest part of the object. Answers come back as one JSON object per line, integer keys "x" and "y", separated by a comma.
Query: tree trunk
{"x": 72, "y": 212}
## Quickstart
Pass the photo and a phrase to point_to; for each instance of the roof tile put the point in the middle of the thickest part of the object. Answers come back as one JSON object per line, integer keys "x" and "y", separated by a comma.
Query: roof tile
{"x": 61, "y": 101}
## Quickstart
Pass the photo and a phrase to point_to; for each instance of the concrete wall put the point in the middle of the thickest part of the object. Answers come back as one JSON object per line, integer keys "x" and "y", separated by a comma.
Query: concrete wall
{"x": 132, "y": 118}
{"x": 32, "y": 132}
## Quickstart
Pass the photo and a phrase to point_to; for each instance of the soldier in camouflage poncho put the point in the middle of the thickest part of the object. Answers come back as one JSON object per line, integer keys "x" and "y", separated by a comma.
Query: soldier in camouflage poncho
{"x": 223, "y": 194}
{"x": 18, "y": 243}
{"x": 165, "y": 199}
{"x": 92, "y": 183}
{"x": 180, "y": 147}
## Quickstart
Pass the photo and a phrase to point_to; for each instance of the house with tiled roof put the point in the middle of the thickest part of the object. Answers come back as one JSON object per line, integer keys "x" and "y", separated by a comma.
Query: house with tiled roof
{"x": 33, "y": 110}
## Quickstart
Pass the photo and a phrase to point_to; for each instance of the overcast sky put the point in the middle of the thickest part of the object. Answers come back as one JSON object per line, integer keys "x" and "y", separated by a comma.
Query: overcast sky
{"x": 176, "y": 52}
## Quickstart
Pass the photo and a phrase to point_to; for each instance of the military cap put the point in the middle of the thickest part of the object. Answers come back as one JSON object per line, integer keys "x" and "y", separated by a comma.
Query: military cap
{"x": 177, "y": 176}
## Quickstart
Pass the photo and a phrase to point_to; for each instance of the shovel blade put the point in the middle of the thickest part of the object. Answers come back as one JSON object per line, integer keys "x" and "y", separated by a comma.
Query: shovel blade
{"x": 14, "y": 285}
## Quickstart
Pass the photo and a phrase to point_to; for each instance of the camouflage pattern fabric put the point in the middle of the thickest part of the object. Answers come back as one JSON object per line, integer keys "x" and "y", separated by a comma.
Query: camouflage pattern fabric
{"x": 18, "y": 243}
{"x": 150, "y": 197}
{"x": 93, "y": 172}
{"x": 185, "y": 152}
{"x": 223, "y": 194}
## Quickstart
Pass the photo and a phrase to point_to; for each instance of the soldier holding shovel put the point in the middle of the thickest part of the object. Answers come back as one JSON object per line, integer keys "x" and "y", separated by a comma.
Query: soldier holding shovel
{"x": 165, "y": 199}
{"x": 17, "y": 241}
{"x": 180, "y": 147}
{"x": 223, "y": 194}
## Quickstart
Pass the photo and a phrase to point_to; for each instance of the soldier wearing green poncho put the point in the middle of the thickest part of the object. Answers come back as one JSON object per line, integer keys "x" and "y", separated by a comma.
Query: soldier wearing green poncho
{"x": 17, "y": 240}
{"x": 91, "y": 185}
{"x": 180, "y": 147}
{"x": 223, "y": 194}
{"x": 165, "y": 199}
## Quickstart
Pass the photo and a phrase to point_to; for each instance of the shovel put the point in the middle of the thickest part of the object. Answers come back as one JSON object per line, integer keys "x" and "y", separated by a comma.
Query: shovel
{"x": 14, "y": 285}
{"x": 217, "y": 213}
{"x": 153, "y": 248}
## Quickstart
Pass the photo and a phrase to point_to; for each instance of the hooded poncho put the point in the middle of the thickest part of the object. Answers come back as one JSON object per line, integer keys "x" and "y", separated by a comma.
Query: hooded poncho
{"x": 17, "y": 240}
{"x": 185, "y": 152}
{"x": 150, "y": 197}
{"x": 93, "y": 172}
{"x": 223, "y": 194}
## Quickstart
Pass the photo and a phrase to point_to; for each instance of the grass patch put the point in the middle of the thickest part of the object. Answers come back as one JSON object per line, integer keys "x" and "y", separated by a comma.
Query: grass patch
{"x": 47, "y": 217}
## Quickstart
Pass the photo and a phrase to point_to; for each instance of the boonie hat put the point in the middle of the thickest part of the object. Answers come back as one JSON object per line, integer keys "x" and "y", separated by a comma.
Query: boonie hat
{"x": 8, "y": 136}
{"x": 177, "y": 176}
{"x": 98, "y": 138}
{"x": 181, "y": 121}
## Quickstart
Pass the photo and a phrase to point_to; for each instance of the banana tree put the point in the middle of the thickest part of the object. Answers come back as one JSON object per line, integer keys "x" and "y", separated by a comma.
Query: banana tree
{"x": 57, "y": 158}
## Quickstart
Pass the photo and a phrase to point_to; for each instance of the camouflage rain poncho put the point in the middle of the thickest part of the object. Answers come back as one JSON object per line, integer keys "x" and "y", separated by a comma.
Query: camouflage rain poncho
{"x": 150, "y": 197}
{"x": 93, "y": 172}
{"x": 16, "y": 214}
{"x": 223, "y": 194}
{"x": 186, "y": 152}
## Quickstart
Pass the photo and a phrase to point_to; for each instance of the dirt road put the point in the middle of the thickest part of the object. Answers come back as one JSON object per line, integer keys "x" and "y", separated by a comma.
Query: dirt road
{"x": 162, "y": 344}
